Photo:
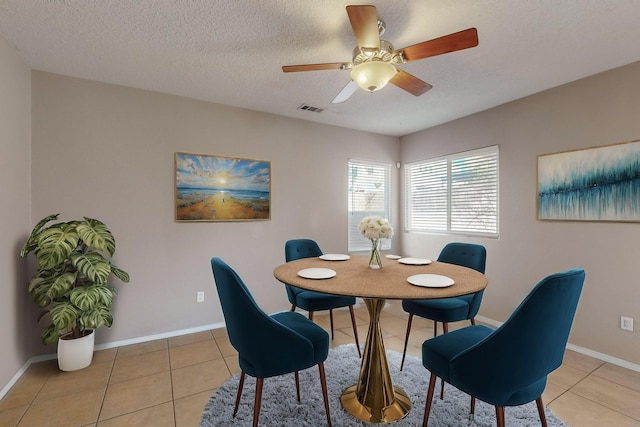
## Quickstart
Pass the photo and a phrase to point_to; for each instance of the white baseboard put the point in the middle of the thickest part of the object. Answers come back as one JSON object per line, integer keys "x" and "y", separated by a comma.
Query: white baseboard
{"x": 106, "y": 346}
{"x": 588, "y": 352}
{"x": 604, "y": 357}
{"x": 164, "y": 335}
{"x": 489, "y": 321}
{"x": 22, "y": 370}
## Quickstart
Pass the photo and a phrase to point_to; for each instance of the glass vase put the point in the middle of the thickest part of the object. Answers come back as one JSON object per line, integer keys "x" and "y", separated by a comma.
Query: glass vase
{"x": 375, "y": 262}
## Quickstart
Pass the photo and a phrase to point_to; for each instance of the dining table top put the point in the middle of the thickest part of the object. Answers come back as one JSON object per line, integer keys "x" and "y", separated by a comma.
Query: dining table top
{"x": 353, "y": 277}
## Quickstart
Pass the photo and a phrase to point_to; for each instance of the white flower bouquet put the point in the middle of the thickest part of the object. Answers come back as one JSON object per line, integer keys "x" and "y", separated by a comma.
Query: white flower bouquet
{"x": 375, "y": 228}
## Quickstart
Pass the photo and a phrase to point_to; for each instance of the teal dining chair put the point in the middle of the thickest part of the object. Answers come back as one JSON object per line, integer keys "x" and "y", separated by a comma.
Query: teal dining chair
{"x": 316, "y": 301}
{"x": 268, "y": 346}
{"x": 447, "y": 310}
{"x": 508, "y": 366}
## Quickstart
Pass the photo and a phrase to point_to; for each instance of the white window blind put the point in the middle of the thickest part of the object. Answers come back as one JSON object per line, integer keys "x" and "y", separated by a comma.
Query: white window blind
{"x": 456, "y": 193}
{"x": 368, "y": 192}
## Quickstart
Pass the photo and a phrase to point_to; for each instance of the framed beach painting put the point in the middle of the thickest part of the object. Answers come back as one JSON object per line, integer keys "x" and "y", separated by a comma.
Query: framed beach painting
{"x": 215, "y": 188}
{"x": 593, "y": 184}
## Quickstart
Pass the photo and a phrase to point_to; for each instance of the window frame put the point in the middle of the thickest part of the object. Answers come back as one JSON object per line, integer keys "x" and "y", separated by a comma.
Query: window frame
{"x": 492, "y": 152}
{"x": 361, "y": 243}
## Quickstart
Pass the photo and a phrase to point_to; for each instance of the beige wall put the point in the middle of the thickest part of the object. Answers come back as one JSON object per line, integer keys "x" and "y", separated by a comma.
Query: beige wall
{"x": 15, "y": 124}
{"x": 108, "y": 152}
{"x": 599, "y": 110}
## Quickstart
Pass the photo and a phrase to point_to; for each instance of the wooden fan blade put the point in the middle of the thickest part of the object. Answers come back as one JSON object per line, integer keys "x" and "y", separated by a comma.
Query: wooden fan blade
{"x": 364, "y": 22}
{"x": 457, "y": 41}
{"x": 314, "y": 67}
{"x": 346, "y": 92}
{"x": 410, "y": 83}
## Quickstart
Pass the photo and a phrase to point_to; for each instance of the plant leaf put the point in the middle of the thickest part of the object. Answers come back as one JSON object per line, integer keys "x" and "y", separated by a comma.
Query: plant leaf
{"x": 95, "y": 318}
{"x": 90, "y": 297}
{"x": 106, "y": 295}
{"x": 120, "y": 274}
{"x": 55, "y": 244}
{"x": 83, "y": 298}
{"x": 46, "y": 288}
{"x": 64, "y": 315}
{"x": 62, "y": 284}
{"x": 92, "y": 265}
{"x": 50, "y": 335}
{"x": 38, "y": 289}
{"x": 96, "y": 234}
{"x": 32, "y": 241}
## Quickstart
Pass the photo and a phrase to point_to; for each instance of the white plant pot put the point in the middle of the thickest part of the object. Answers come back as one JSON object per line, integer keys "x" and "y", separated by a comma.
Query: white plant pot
{"x": 74, "y": 354}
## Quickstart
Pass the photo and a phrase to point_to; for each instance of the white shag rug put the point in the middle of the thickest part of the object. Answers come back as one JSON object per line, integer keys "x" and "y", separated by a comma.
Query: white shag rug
{"x": 280, "y": 407}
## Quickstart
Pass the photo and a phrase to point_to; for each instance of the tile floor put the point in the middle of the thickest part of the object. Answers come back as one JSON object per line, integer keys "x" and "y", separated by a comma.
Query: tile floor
{"x": 167, "y": 382}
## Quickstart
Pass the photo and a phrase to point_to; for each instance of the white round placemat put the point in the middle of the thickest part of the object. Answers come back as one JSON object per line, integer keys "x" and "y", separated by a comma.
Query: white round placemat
{"x": 430, "y": 280}
{"x": 316, "y": 273}
{"x": 414, "y": 261}
{"x": 334, "y": 257}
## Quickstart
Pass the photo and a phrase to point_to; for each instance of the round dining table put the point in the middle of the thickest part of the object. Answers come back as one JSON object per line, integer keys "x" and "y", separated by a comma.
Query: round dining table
{"x": 374, "y": 398}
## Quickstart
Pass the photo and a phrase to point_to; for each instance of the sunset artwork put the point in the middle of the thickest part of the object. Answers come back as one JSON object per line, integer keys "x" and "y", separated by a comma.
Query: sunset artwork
{"x": 213, "y": 188}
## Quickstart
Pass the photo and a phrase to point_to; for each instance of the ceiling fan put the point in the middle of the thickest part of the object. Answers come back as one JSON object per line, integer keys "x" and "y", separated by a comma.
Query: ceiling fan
{"x": 373, "y": 62}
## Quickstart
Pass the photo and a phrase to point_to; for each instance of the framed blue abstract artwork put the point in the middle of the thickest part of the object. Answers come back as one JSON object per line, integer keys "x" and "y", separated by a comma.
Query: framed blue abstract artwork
{"x": 593, "y": 184}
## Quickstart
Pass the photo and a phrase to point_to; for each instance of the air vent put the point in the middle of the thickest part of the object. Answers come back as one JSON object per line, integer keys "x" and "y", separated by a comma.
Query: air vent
{"x": 310, "y": 108}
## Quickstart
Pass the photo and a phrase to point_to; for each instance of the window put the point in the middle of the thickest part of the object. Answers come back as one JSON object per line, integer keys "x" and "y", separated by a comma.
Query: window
{"x": 368, "y": 195}
{"x": 454, "y": 194}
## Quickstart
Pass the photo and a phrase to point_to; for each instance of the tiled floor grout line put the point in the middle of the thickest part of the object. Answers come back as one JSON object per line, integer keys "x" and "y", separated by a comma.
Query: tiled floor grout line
{"x": 589, "y": 373}
{"x": 106, "y": 388}
{"x": 597, "y": 402}
{"x": 224, "y": 358}
{"x": 35, "y": 396}
{"x": 604, "y": 378}
{"x": 173, "y": 397}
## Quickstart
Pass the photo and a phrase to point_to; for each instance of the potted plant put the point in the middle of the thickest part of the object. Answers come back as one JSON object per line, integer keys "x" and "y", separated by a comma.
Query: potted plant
{"x": 71, "y": 284}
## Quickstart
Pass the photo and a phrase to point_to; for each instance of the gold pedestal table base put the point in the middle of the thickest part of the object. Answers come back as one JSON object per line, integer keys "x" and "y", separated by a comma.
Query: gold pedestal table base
{"x": 374, "y": 398}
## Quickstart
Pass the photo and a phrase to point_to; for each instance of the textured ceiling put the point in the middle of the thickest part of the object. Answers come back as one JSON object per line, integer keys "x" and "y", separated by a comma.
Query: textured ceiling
{"x": 231, "y": 51}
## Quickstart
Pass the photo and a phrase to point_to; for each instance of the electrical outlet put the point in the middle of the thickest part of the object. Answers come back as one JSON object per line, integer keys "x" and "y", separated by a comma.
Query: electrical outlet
{"x": 200, "y": 296}
{"x": 626, "y": 323}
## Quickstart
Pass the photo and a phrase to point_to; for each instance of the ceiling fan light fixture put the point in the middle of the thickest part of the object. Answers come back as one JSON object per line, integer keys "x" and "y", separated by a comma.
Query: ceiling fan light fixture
{"x": 373, "y": 59}
{"x": 374, "y": 75}
{"x": 369, "y": 52}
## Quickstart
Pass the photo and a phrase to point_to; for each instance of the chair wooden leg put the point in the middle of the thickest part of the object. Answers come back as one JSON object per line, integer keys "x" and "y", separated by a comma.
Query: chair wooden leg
{"x": 473, "y": 321}
{"x": 331, "y": 321}
{"x": 325, "y": 394}
{"x": 258, "y": 401}
{"x": 500, "y": 416}
{"x": 445, "y": 329}
{"x": 311, "y": 316}
{"x": 240, "y": 385}
{"x": 473, "y": 406}
{"x": 293, "y": 307}
{"x": 543, "y": 417}
{"x": 427, "y": 407}
{"x": 355, "y": 329}
{"x": 297, "y": 377}
{"x": 435, "y": 329}
{"x": 406, "y": 340}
